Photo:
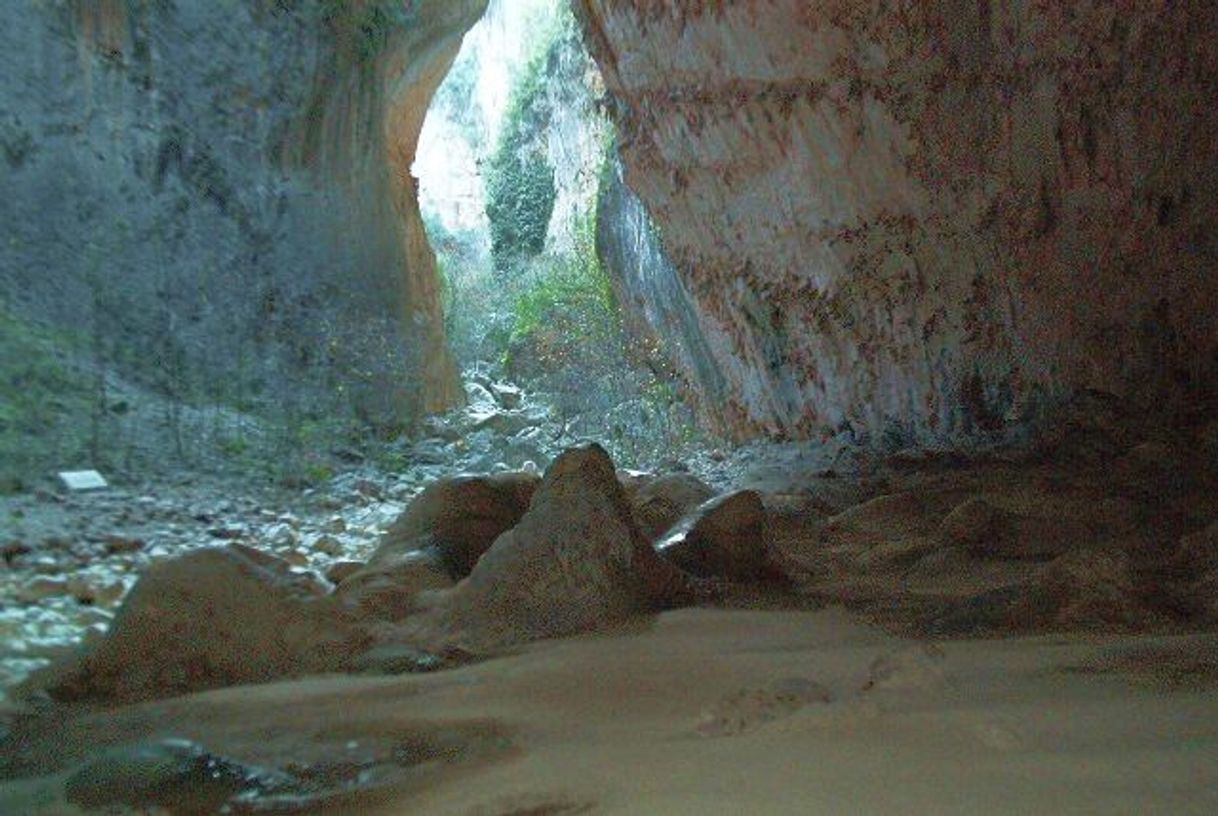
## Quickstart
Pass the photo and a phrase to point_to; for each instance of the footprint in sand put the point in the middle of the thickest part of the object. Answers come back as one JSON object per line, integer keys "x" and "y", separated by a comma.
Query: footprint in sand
{"x": 751, "y": 707}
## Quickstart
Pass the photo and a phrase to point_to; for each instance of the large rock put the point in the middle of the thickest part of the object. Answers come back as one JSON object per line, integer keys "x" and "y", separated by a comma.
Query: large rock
{"x": 575, "y": 562}
{"x": 1058, "y": 526}
{"x": 1087, "y": 589}
{"x": 887, "y": 532}
{"x": 659, "y": 502}
{"x": 459, "y": 518}
{"x": 724, "y": 538}
{"x": 388, "y": 589}
{"x": 211, "y": 618}
{"x": 1093, "y": 589}
{"x": 973, "y": 524}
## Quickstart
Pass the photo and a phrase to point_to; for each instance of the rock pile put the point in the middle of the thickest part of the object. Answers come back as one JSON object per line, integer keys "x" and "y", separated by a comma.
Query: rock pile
{"x": 575, "y": 562}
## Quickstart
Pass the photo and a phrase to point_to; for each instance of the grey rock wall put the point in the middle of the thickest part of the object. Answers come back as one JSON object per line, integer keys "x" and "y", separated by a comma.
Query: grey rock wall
{"x": 167, "y": 182}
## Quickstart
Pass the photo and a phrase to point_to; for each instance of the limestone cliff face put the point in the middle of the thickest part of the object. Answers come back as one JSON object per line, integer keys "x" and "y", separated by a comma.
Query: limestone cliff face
{"x": 414, "y": 67}
{"x": 924, "y": 217}
{"x": 227, "y": 183}
{"x": 657, "y": 311}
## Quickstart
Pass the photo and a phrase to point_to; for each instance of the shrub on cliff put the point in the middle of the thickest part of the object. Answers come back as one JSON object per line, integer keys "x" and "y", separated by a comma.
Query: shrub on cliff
{"x": 520, "y": 189}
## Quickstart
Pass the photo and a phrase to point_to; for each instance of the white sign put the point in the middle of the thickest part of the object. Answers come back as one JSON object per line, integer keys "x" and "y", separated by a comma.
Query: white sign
{"x": 82, "y": 480}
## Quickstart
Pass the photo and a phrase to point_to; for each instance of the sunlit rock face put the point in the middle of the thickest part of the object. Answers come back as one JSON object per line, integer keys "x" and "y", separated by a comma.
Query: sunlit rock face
{"x": 236, "y": 165}
{"x": 925, "y": 218}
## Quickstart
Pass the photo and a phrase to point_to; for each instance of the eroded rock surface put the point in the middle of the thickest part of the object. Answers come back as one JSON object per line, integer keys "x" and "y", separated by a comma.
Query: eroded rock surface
{"x": 920, "y": 223}
{"x": 164, "y": 137}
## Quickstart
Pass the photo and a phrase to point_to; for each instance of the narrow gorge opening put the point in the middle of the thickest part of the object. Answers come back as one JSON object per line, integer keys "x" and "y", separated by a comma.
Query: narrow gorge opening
{"x": 512, "y": 163}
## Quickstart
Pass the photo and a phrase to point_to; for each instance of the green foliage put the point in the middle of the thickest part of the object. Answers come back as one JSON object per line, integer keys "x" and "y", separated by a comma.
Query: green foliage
{"x": 566, "y": 314}
{"x": 45, "y": 400}
{"x": 520, "y": 190}
{"x": 572, "y": 293}
{"x": 234, "y": 447}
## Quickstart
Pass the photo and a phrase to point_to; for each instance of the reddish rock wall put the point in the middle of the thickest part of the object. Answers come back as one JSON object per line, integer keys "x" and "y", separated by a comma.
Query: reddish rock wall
{"x": 927, "y": 214}
{"x": 362, "y": 130}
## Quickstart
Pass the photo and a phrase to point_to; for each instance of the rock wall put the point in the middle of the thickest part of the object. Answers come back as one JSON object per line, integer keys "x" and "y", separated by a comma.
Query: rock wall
{"x": 657, "y": 311}
{"x": 414, "y": 67}
{"x": 925, "y": 219}
{"x": 227, "y": 184}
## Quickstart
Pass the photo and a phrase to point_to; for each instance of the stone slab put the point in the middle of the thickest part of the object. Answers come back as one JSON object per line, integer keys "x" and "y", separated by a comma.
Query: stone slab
{"x": 79, "y": 480}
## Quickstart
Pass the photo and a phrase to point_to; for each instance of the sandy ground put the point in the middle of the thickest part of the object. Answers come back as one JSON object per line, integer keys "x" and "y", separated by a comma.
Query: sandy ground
{"x": 630, "y": 723}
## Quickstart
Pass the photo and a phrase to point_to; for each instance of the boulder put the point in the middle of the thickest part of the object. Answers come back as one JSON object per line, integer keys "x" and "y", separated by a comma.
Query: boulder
{"x": 279, "y": 535}
{"x": 210, "y": 618}
{"x": 327, "y": 544}
{"x": 879, "y": 520}
{"x": 13, "y": 550}
{"x": 659, "y": 502}
{"x": 575, "y": 562}
{"x": 119, "y": 545}
{"x": 973, "y": 524}
{"x": 507, "y": 395}
{"x": 40, "y": 589}
{"x": 990, "y": 532}
{"x": 889, "y": 532}
{"x": 387, "y": 589}
{"x": 1088, "y": 589}
{"x": 478, "y": 395}
{"x": 97, "y": 592}
{"x": 1093, "y": 589}
{"x": 459, "y": 518}
{"x": 334, "y": 525}
{"x": 723, "y": 538}
{"x": 501, "y": 422}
